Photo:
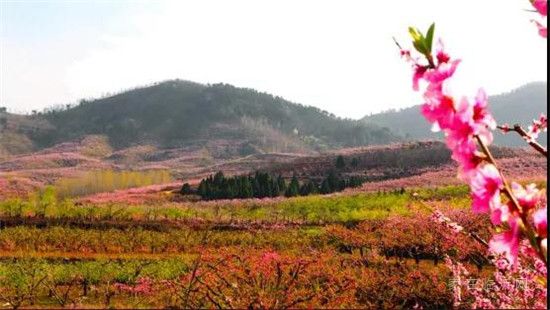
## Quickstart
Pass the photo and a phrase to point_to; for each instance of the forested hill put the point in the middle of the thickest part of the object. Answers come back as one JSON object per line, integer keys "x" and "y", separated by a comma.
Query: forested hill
{"x": 175, "y": 113}
{"x": 521, "y": 106}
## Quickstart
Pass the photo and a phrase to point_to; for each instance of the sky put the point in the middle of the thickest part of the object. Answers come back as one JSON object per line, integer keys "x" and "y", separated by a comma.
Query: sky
{"x": 335, "y": 55}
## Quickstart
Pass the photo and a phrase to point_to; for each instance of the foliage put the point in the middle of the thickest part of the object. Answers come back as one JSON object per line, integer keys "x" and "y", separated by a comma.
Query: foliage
{"x": 173, "y": 113}
{"x": 308, "y": 209}
{"x": 98, "y": 181}
{"x": 262, "y": 185}
{"x": 340, "y": 162}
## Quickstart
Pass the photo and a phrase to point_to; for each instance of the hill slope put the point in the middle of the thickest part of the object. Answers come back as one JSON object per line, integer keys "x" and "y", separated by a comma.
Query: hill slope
{"x": 521, "y": 106}
{"x": 178, "y": 113}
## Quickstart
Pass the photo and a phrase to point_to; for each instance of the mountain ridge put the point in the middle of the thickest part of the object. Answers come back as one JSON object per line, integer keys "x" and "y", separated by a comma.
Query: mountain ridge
{"x": 520, "y": 105}
{"x": 233, "y": 122}
{"x": 177, "y": 113}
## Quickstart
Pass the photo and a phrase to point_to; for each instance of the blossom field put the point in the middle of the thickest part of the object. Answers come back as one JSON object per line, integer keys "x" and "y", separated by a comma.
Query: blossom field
{"x": 450, "y": 224}
{"x": 358, "y": 250}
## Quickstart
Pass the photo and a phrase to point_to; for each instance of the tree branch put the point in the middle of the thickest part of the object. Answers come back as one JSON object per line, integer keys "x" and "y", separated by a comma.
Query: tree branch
{"x": 507, "y": 190}
{"x": 517, "y": 128}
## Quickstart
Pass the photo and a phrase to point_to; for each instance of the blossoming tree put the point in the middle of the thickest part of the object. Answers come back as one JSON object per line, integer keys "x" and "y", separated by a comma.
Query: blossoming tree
{"x": 519, "y": 250}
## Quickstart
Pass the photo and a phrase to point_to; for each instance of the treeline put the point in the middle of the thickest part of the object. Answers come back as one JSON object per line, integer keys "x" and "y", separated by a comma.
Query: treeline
{"x": 263, "y": 185}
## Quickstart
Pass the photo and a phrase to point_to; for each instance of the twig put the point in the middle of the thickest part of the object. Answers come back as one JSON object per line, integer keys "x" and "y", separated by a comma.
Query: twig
{"x": 472, "y": 235}
{"x": 517, "y": 128}
{"x": 397, "y": 43}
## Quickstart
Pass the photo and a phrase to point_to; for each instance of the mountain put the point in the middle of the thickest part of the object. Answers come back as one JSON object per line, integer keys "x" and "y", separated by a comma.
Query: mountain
{"x": 178, "y": 113}
{"x": 521, "y": 105}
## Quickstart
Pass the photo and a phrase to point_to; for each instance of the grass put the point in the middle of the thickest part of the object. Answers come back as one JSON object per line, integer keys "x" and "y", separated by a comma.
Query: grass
{"x": 311, "y": 209}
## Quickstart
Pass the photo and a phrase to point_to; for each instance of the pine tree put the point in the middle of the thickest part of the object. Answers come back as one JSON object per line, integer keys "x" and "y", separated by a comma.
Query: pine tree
{"x": 325, "y": 187}
{"x": 340, "y": 162}
{"x": 333, "y": 181}
{"x": 308, "y": 188}
{"x": 186, "y": 189}
{"x": 281, "y": 183}
{"x": 293, "y": 188}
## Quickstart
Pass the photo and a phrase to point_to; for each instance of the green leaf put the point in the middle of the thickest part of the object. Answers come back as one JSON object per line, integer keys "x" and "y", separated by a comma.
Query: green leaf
{"x": 415, "y": 34}
{"x": 419, "y": 46}
{"x": 429, "y": 38}
{"x": 418, "y": 40}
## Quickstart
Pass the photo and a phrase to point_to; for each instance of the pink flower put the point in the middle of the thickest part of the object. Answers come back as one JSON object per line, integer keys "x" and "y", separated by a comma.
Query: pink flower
{"x": 481, "y": 115}
{"x": 540, "y": 220}
{"x": 538, "y": 126}
{"x": 465, "y": 154}
{"x": 473, "y": 119}
{"x": 527, "y": 197}
{"x": 502, "y": 264}
{"x": 505, "y": 128}
{"x": 269, "y": 256}
{"x": 461, "y": 129}
{"x": 507, "y": 243}
{"x": 543, "y": 30}
{"x": 500, "y": 214}
{"x": 419, "y": 72}
{"x": 441, "y": 55}
{"x": 438, "y": 109}
{"x": 541, "y": 6}
{"x": 443, "y": 72}
{"x": 485, "y": 186}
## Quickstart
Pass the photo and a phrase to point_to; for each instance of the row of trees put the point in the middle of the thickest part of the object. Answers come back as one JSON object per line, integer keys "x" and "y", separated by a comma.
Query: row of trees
{"x": 262, "y": 185}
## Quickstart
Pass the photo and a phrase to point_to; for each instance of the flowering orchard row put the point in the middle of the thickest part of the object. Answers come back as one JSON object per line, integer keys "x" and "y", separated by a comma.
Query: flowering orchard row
{"x": 225, "y": 278}
{"x": 396, "y": 236}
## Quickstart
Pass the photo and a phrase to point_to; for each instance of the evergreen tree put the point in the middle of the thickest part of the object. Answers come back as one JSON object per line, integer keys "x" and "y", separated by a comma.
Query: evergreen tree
{"x": 281, "y": 183}
{"x": 308, "y": 188}
{"x": 275, "y": 191}
{"x": 293, "y": 188}
{"x": 262, "y": 184}
{"x": 340, "y": 162}
{"x": 186, "y": 189}
{"x": 333, "y": 182}
{"x": 246, "y": 188}
{"x": 325, "y": 187}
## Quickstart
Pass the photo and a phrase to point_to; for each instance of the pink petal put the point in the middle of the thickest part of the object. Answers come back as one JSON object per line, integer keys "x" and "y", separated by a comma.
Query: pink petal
{"x": 507, "y": 243}
{"x": 541, "y": 6}
{"x": 540, "y": 219}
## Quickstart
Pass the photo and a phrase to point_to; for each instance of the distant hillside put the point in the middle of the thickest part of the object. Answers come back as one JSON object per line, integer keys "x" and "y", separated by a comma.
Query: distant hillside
{"x": 179, "y": 113}
{"x": 521, "y": 105}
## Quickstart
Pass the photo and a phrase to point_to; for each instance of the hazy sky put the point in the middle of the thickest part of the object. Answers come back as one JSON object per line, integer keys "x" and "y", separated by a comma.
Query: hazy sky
{"x": 336, "y": 55}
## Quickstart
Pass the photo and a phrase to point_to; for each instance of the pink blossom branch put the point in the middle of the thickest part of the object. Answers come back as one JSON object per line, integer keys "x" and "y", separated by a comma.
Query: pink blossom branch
{"x": 525, "y": 224}
{"x": 447, "y": 222}
{"x": 517, "y": 128}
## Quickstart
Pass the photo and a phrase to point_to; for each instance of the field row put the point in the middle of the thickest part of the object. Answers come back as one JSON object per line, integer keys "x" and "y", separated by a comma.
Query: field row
{"x": 226, "y": 278}
{"x": 415, "y": 237}
{"x": 314, "y": 210}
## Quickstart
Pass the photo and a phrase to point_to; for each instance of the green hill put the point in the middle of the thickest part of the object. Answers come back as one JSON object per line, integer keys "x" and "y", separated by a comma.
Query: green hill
{"x": 177, "y": 113}
{"x": 521, "y": 105}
